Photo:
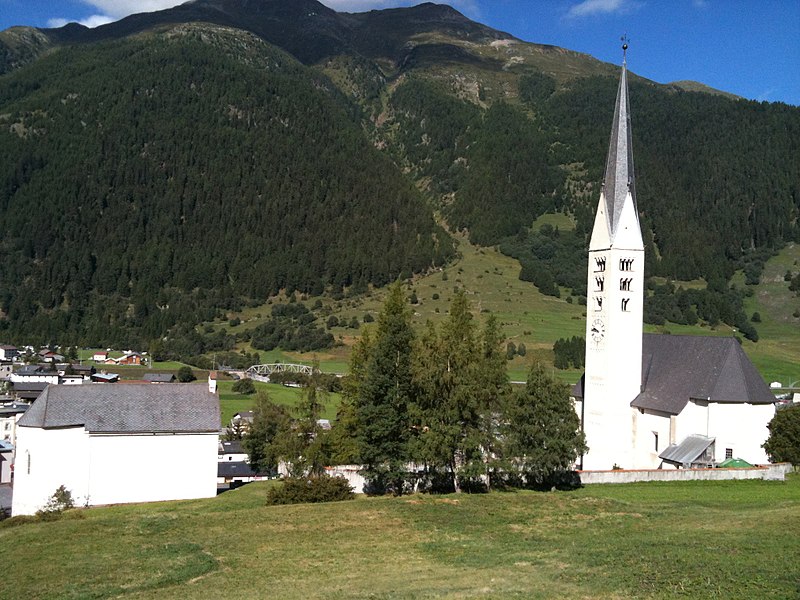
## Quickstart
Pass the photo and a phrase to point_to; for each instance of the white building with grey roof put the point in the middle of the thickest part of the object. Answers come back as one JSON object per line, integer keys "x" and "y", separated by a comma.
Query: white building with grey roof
{"x": 111, "y": 444}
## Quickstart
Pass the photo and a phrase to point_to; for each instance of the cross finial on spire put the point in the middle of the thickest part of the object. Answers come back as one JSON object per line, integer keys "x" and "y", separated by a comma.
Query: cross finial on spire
{"x": 624, "y": 39}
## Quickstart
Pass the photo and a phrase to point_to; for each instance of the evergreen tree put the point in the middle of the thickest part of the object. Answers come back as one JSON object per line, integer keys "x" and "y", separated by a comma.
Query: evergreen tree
{"x": 541, "y": 432}
{"x": 493, "y": 387}
{"x": 384, "y": 391}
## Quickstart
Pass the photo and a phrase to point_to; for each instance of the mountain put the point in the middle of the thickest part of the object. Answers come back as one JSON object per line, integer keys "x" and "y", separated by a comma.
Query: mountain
{"x": 161, "y": 169}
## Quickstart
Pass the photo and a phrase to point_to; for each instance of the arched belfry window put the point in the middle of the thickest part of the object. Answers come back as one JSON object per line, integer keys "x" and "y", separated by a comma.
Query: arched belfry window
{"x": 600, "y": 263}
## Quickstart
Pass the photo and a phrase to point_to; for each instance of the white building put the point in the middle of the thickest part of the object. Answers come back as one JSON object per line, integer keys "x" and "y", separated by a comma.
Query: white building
{"x": 108, "y": 444}
{"x": 642, "y": 396}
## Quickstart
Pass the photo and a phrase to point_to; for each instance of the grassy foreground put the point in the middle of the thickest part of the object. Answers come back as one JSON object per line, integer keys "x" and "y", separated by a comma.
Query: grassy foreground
{"x": 689, "y": 540}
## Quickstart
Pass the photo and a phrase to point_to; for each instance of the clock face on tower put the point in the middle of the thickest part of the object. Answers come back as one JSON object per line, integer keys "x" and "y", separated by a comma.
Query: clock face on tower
{"x": 597, "y": 330}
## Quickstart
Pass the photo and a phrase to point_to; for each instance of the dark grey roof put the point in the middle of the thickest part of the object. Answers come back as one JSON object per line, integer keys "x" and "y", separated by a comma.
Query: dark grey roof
{"x": 159, "y": 377}
{"x": 30, "y": 386}
{"x": 679, "y": 368}
{"x": 126, "y": 408}
{"x": 232, "y": 447}
{"x": 619, "y": 166}
{"x": 688, "y": 451}
{"x": 14, "y": 408}
{"x": 36, "y": 370}
{"x": 234, "y": 469}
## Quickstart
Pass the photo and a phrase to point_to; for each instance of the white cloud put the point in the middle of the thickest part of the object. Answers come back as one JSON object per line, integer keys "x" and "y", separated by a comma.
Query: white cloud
{"x": 116, "y": 9}
{"x": 112, "y": 10}
{"x": 91, "y": 21}
{"x": 589, "y": 8}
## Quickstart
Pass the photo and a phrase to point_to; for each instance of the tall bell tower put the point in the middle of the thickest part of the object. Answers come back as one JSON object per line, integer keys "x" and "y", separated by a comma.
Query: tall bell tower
{"x": 614, "y": 310}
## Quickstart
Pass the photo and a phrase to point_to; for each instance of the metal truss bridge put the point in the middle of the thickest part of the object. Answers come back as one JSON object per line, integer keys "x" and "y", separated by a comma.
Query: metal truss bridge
{"x": 262, "y": 372}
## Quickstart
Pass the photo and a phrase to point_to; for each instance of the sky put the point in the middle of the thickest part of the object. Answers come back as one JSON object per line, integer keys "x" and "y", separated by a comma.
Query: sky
{"x": 747, "y": 47}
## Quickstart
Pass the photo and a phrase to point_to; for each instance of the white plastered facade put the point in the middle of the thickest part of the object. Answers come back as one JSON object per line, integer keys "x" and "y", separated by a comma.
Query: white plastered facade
{"x": 111, "y": 468}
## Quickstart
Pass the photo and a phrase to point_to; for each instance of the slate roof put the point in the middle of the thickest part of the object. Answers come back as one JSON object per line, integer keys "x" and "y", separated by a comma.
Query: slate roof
{"x": 29, "y": 390}
{"x": 679, "y": 368}
{"x": 232, "y": 447}
{"x": 126, "y": 408}
{"x": 159, "y": 377}
{"x": 234, "y": 469}
{"x": 619, "y": 175}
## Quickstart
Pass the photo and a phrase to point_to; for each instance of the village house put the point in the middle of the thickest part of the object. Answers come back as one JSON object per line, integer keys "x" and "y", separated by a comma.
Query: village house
{"x": 50, "y": 356}
{"x": 100, "y": 356}
{"x": 10, "y": 414}
{"x": 35, "y": 374}
{"x": 8, "y": 352}
{"x": 106, "y": 444}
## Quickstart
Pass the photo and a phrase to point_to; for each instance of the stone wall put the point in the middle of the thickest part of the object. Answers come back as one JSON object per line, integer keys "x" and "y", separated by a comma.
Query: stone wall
{"x": 775, "y": 472}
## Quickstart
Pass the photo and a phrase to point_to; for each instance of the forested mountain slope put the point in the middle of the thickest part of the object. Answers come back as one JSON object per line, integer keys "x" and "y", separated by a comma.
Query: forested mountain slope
{"x": 155, "y": 171}
{"x": 153, "y": 179}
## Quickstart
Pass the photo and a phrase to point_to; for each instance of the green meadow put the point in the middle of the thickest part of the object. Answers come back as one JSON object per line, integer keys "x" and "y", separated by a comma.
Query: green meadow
{"x": 733, "y": 539}
{"x": 537, "y": 321}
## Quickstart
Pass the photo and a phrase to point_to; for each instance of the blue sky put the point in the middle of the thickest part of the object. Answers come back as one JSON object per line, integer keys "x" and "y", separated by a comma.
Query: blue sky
{"x": 747, "y": 47}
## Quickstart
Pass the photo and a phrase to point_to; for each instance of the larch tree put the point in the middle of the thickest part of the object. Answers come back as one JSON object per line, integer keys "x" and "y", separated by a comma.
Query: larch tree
{"x": 449, "y": 408}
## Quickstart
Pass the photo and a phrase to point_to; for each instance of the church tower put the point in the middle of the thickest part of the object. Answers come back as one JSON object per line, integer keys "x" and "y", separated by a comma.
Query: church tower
{"x": 614, "y": 301}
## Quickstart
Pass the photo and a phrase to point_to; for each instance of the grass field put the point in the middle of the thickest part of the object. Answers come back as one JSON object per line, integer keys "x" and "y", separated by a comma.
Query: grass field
{"x": 677, "y": 540}
{"x": 230, "y": 402}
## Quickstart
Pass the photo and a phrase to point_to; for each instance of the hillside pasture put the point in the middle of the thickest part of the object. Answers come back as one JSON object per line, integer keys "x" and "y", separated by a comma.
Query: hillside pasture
{"x": 734, "y": 539}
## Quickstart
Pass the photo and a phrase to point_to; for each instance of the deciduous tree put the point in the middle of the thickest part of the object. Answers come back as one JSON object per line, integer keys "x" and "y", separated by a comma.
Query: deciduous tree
{"x": 541, "y": 429}
{"x": 783, "y": 443}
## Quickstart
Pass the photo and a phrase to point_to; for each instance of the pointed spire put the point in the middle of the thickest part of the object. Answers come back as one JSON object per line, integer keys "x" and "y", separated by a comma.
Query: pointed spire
{"x": 619, "y": 179}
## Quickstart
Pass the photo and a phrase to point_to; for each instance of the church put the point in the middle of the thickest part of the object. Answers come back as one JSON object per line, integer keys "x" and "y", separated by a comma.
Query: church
{"x": 651, "y": 401}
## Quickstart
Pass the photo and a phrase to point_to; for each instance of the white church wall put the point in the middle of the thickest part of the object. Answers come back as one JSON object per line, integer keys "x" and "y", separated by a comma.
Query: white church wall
{"x": 151, "y": 468}
{"x": 111, "y": 469}
{"x": 739, "y": 427}
{"x": 742, "y": 428}
{"x": 45, "y": 460}
{"x": 652, "y": 438}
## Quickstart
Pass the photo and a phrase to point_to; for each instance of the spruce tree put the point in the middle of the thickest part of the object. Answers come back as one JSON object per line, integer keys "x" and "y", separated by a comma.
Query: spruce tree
{"x": 384, "y": 392}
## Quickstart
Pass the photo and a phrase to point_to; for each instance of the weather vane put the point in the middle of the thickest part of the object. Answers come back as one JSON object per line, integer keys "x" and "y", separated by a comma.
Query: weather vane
{"x": 624, "y": 39}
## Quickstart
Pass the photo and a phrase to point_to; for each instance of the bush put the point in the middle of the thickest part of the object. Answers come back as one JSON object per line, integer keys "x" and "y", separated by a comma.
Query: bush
{"x": 185, "y": 374}
{"x": 244, "y": 386}
{"x": 300, "y": 490}
{"x": 60, "y": 501}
